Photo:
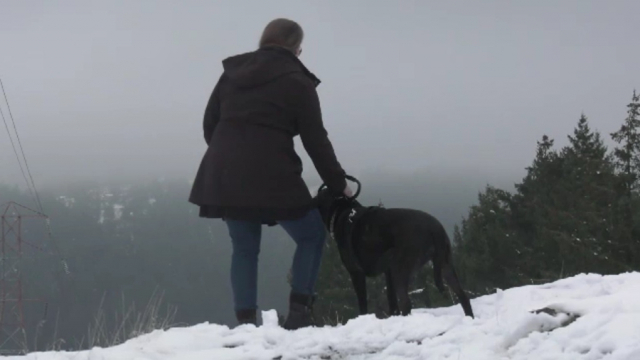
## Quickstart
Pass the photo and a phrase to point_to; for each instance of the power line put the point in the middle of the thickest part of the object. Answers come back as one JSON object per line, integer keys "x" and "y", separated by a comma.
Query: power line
{"x": 31, "y": 186}
{"x": 17, "y": 156}
{"x": 21, "y": 148}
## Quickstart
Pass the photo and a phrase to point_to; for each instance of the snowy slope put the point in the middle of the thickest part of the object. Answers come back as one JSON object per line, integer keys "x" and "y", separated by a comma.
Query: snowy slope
{"x": 598, "y": 317}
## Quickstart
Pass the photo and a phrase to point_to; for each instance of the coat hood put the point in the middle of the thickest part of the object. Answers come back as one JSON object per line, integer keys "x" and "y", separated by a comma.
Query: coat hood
{"x": 262, "y": 66}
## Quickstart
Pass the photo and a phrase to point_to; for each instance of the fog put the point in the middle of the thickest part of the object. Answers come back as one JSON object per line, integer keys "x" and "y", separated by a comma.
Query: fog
{"x": 117, "y": 90}
{"x": 162, "y": 245}
{"x": 425, "y": 102}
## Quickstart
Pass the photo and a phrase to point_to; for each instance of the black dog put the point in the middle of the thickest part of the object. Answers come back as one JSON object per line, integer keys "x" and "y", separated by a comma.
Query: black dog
{"x": 397, "y": 242}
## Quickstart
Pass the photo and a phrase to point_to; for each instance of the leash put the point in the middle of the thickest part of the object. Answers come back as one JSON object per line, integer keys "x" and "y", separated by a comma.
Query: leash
{"x": 346, "y": 213}
{"x": 345, "y": 241}
{"x": 332, "y": 224}
{"x": 333, "y": 219}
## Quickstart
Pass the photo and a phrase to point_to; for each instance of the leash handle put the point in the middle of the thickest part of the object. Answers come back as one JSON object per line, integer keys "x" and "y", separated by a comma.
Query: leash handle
{"x": 350, "y": 178}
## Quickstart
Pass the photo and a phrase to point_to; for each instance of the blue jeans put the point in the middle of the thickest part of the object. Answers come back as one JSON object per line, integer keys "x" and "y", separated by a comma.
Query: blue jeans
{"x": 308, "y": 232}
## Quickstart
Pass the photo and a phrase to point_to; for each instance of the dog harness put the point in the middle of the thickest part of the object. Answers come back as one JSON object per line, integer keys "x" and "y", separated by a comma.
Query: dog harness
{"x": 346, "y": 243}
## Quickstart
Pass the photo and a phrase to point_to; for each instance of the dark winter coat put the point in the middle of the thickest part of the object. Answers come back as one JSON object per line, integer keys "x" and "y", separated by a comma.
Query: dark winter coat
{"x": 250, "y": 170}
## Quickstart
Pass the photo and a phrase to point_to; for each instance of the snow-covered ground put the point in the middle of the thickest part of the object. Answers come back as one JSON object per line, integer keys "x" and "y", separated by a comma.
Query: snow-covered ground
{"x": 595, "y": 317}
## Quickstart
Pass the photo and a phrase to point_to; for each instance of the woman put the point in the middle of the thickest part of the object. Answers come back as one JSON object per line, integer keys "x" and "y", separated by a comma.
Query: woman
{"x": 251, "y": 175}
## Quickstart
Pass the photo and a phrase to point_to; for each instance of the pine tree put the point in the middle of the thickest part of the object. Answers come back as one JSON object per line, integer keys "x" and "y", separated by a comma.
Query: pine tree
{"x": 488, "y": 250}
{"x": 627, "y": 162}
{"x": 588, "y": 165}
{"x": 560, "y": 221}
{"x": 537, "y": 210}
{"x": 535, "y": 191}
{"x": 589, "y": 172}
{"x": 627, "y": 155}
{"x": 563, "y": 207}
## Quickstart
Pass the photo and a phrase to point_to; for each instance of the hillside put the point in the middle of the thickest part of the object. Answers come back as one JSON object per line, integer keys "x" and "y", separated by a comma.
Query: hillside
{"x": 585, "y": 317}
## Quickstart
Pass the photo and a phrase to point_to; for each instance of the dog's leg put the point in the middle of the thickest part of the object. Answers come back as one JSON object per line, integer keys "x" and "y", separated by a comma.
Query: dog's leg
{"x": 391, "y": 294}
{"x": 450, "y": 276}
{"x": 401, "y": 274}
{"x": 360, "y": 286}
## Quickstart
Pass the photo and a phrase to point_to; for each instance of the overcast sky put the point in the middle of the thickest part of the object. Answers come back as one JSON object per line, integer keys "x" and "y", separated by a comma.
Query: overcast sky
{"x": 118, "y": 88}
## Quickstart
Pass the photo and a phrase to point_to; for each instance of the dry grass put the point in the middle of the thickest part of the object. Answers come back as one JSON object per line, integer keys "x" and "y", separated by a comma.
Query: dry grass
{"x": 128, "y": 322}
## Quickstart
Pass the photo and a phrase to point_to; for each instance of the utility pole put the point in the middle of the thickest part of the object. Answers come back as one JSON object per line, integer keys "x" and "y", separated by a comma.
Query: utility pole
{"x": 14, "y": 248}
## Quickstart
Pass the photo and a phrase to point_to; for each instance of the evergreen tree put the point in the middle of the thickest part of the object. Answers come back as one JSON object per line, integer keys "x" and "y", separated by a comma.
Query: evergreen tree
{"x": 627, "y": 162}
{"x": 558, "y": 223}
{"x": 589, "y": 172}
{"x": 537, "y": 209}
{"x": 489, "y": 251}
{"x": 627, "y": 155}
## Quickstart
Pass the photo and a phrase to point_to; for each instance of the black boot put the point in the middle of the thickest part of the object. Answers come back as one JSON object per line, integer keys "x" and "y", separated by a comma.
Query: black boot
{"x": 300, "y": 312}
{"x": 246, "y": 316}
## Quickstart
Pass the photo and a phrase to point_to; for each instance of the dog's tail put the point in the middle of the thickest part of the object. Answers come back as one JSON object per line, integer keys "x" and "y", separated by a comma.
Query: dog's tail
{"x": 443, "y": 269}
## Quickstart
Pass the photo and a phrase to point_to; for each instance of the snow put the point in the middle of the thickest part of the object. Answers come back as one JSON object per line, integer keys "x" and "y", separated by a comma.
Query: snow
{"x": 67, "y": 201}
{"x": 117, "y": 211}
{"x": 588, "y": 317}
